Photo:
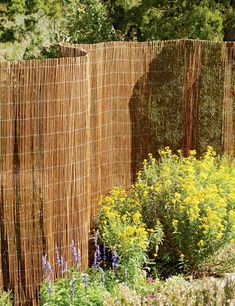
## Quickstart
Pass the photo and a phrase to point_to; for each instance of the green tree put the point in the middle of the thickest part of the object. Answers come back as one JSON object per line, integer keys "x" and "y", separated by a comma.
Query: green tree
{"x": 32, "y": 28}
{"x": 229, "y": 19}
{"x": 85, "y": 21}
{"x": 184, "y": 19}
{"x": 162, "y": 19}
{"x": 27, "y": 26}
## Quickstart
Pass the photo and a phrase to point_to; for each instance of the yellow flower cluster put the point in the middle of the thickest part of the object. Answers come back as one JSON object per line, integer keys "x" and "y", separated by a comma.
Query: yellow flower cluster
{"x": 193, "y": 197}
{"x": 120, "y": 222}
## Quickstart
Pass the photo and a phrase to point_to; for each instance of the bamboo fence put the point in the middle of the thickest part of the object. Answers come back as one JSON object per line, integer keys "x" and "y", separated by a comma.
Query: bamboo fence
{"x": 73, "y": 127}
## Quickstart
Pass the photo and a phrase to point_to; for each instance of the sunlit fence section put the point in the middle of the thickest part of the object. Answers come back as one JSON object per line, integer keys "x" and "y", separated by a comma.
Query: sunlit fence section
{"x": 73, "y": 127}
{"x": 44, "y": 167}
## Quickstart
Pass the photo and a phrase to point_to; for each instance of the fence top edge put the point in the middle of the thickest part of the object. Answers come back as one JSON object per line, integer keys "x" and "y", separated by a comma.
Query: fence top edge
{"x": 85, "y": 48}
{"x": 47, "y": 61}
{"x": 148, "y": 43}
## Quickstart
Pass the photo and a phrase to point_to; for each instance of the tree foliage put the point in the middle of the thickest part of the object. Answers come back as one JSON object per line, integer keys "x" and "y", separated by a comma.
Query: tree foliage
{"x": 86, "y": 21}
{"x": 29, "y": 27}
{"x": 162, "y": 19}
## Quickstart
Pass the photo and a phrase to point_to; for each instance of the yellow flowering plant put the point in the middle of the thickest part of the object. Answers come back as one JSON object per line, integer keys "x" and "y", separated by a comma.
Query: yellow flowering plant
{"x": 121, "y": 226}
{"x": 194, "y": 199}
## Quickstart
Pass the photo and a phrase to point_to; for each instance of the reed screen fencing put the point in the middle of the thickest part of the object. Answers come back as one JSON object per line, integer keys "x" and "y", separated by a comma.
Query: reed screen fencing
{"x": 73, "y": 127}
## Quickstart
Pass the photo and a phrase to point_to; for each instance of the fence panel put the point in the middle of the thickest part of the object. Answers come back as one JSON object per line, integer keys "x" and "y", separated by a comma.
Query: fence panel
{"x": 72, "y": 128}
{"x": 45, "y": 155}
{"x": 145, "y": 96}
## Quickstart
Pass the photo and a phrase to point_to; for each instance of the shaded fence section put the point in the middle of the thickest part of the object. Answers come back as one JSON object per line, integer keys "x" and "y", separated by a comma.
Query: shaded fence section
{"x": 71, "y": 128}
{"x": 145, "y": 96}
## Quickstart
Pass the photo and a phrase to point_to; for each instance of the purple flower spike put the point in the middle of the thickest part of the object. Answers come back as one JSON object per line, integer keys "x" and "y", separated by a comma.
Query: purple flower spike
{"x": 95, "y": 260}
{"x": 49, "y": 268}
{"x": 73, "y": 249}
{"x": 44, "y": 263}
{"x": 64, "y": 266}
{"x": 57, "y": 255}
{"x": 79, "y": 256}
{"x": 115, "y": 259}
{"x": 49, "y": 289}
{"x": 46, "y": 267}
{"x": 61, "y": 263}
{"x": 97, "y": 257}
{"x": 76, "y": 255}
{"x": 97, "y": 251}
{"x": 48, "y": 272}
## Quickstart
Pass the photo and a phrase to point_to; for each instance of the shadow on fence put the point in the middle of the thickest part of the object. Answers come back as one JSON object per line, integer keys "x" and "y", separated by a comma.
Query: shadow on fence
{"x": 71, "y": 128}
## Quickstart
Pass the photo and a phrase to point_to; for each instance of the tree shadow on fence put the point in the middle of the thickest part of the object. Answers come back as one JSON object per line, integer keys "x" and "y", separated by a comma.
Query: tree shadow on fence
{"x": 184, "y": 101}
{"x": 156, "y": 107}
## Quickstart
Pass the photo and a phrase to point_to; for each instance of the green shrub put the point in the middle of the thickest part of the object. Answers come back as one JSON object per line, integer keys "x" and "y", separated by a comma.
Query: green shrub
{"x": 194, "y": 200}
{"x": 121, "y": 226}
{"x": 73, "y": 291}
{"x": 178, "y": 291}
{"x": 180, "y": 210}
{"x": 5, "y": 298}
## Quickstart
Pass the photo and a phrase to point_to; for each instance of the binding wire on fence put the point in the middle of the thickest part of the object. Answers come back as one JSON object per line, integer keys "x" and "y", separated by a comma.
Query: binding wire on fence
{"x": 45, "y": 158}
{"x": 145, "y": 96}
{"x": 73, "y": 127}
